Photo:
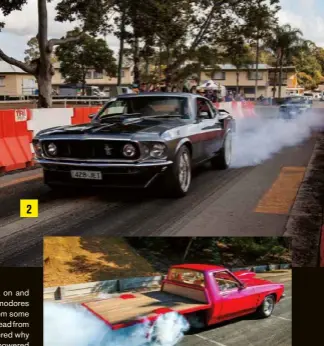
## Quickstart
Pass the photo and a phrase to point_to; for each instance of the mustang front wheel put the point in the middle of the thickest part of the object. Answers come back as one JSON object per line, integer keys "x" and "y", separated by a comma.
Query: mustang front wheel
{"x": 267, "y": 306}
{"x": 178, "y": 176}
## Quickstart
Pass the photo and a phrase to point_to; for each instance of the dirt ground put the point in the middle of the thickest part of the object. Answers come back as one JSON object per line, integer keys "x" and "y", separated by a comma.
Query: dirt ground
{"x": 72, "y": 260}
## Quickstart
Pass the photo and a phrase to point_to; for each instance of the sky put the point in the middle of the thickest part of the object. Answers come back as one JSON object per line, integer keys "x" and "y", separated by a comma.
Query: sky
{"x": 307, "y": 15}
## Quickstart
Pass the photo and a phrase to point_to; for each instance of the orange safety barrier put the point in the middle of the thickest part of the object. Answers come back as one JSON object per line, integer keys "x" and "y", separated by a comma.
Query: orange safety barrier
{"x": 15, "y": 150}
{"x": 81, "y": 115}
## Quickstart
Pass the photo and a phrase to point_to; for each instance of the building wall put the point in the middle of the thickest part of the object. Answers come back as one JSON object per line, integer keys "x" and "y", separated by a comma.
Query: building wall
{"x": 246, "y": 85}
{"x": 105, "y": 80}
{"x": 10, "y": 86}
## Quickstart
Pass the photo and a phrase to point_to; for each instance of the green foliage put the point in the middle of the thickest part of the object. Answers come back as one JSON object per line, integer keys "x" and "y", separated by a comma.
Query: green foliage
{"x": 217, "y": 250}
{"x": 89, "y": 53}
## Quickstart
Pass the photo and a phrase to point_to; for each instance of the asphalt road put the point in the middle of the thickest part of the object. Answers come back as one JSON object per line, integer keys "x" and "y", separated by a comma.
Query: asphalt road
{"x": 249, "y": 330}
{"x": 236, "y": 202}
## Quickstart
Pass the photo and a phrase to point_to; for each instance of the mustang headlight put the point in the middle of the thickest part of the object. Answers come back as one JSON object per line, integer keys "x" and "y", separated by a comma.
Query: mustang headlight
{"x": 158, "y": 150}
{"x": 37, "y": 148}
{"x": 129, "y": 150}
{"x": 51, "y": 149}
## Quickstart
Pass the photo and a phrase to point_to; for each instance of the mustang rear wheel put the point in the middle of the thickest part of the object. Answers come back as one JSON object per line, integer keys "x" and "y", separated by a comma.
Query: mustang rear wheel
{"x": 177, "y": 179}
{"x": 224, "y": 157}
{"x": 267, "y": 306}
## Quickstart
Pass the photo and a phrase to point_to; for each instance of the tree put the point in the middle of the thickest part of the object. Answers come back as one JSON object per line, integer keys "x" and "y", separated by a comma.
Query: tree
{"x": 32, "y": 52}
{"x": 89, "y": 53}
{"x": 259, "y": 18}
{"x": 284, "y": 42}
{"x": 92, "y": 16}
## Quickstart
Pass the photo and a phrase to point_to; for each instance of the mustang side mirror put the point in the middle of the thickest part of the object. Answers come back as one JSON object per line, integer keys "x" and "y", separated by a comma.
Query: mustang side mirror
{"x": 92, "y": 115}
{"x": 223, "y": 114}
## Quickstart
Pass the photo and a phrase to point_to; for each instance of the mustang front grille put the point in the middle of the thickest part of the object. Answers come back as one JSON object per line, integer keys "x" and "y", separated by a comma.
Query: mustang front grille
{"x": 90, "y": 149}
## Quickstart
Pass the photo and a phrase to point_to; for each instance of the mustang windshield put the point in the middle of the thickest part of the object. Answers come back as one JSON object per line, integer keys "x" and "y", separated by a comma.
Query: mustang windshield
{"x": 147, "y": 106}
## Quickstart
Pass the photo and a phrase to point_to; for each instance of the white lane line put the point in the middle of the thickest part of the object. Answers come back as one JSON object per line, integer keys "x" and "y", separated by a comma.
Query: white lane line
{"x": 282, "y": 318}
{"x": 211, "y": 341}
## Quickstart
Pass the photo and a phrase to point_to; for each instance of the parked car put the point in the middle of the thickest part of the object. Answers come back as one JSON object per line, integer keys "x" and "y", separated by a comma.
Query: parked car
{"x": 293, "y": 107}
{"x": 203, "y": 294}
{"x": 309, "y": 96}
{"x": 137, "y": 139}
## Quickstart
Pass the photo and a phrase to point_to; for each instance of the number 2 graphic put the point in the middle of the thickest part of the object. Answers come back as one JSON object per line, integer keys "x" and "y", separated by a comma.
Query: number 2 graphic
{"x": 29, "y": 209}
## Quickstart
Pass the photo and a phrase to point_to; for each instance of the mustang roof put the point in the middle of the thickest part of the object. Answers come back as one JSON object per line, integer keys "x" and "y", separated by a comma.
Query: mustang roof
{"x": 200, "y": 267}
{"x": 178, "y": 94}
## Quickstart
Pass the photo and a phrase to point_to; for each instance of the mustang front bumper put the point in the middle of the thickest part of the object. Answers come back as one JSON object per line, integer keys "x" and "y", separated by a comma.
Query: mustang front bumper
{"x": 128, "y": 175}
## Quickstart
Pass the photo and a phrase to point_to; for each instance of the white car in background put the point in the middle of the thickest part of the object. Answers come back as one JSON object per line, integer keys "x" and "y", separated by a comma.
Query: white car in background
{"x": 309, "y": 96}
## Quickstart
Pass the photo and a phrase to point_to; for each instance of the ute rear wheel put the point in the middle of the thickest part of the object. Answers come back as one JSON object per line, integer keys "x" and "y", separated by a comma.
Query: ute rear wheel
{"x": 224, "y": 157}
{"x": 266, "y": 308}
{"x": 177, "y": 179}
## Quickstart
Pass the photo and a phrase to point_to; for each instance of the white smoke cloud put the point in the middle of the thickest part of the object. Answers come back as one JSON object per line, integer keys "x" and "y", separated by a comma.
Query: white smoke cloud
{"x": 258, "y": 139}
{"x": 66, "y": 325}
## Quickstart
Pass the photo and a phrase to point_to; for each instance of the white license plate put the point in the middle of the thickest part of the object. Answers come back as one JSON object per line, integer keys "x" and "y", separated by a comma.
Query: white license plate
{"x": 86, "y": 175}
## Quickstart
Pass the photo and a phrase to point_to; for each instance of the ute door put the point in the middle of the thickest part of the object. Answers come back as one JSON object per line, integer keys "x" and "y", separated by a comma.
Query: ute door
{"x": 235, "y": 299}
{"x": 211, "y": 130}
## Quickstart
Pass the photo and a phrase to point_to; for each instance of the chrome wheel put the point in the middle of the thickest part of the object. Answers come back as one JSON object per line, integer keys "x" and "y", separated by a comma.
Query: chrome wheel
{"x": 268, "y": 306}
{"x": 184, "y": 171}
{"x": 228, "y": 149}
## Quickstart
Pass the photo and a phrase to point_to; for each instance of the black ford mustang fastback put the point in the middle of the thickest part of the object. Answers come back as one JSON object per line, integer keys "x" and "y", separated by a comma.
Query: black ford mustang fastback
{"x": 135, "y": 140}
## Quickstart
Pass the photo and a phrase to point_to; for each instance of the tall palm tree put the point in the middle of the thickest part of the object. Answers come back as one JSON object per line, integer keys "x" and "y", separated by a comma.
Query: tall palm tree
{"x": 283, "y": 43}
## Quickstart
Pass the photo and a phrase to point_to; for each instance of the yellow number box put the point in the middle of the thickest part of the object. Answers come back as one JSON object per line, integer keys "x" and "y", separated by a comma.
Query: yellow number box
{"x": 29, "y": 208}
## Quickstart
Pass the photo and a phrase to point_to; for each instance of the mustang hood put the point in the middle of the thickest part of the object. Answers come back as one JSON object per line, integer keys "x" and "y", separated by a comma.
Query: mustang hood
{"x": 124, "y": 127}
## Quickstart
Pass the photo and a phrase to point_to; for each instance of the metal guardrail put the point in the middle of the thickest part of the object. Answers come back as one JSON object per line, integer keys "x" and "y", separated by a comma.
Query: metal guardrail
{"x": 112, "y": 287}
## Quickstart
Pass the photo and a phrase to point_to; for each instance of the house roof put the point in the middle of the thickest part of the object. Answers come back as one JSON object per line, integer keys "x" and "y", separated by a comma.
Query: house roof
{"x": 7, "y": 68}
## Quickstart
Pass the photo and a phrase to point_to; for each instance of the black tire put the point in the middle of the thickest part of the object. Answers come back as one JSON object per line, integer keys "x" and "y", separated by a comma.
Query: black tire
{"x": 221, "y": 161}
{"x": 196, "y": 321}
{"x": 266, "y": 308}
{"x": 172, "y": 179}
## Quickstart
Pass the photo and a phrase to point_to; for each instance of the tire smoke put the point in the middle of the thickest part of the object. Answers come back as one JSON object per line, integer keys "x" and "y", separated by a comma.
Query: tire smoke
{"x": 74, "y": 325}
{"x": 258, "y": 139}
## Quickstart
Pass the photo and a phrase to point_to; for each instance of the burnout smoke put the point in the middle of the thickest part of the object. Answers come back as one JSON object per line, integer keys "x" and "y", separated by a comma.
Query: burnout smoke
{"x": 74, "y": 325}
{"x": 258, "y": 139}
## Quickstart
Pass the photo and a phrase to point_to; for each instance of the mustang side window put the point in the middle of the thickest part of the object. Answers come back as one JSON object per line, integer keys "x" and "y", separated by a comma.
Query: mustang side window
{"x": 203, "y": 109}
{"x": 225, "y": 281}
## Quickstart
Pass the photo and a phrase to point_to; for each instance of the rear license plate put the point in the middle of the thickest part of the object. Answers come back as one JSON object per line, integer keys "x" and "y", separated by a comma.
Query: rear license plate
{"x": 91, "y": 175}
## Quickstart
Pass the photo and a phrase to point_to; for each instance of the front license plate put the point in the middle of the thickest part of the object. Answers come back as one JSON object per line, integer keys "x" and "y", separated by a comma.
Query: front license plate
{"x": 86, "y": 175}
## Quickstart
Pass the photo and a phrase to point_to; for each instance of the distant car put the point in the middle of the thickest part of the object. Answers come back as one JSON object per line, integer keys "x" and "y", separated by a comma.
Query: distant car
{"x": 204, "y": 294}
{"x": 136, "y": 139}
{"x": 309, "y": 96}
{"x": 294, "y": 107}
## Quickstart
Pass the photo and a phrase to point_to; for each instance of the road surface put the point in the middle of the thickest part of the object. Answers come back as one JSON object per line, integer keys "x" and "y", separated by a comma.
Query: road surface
{"x": 250, "y": 201}
{"x": 249, "y": 330}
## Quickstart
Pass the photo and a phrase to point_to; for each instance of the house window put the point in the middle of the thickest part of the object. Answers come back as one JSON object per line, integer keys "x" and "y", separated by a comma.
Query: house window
{"x": 220, "y": 75}
{"x": 97, "y": 75}
{"x": 2, "y": 81}
{"x": 88, "y": 75}
{"x": 250, "y": 90}
{"x": 122, "y": 73}
{"x": 252, "y": 75}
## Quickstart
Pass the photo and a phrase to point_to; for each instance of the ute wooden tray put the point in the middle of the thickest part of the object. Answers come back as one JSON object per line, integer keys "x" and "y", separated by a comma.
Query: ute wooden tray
{"x": 129, "y": 308}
